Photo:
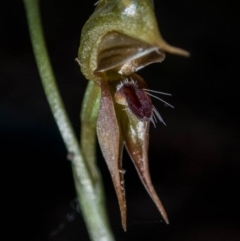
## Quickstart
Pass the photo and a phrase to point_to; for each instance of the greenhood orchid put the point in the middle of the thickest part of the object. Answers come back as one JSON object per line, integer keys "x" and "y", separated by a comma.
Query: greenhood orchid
{"x": 120, "y": 38}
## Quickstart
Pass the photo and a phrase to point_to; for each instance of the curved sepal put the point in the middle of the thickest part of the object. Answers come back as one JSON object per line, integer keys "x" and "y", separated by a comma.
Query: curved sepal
{"x": 111, "y": 145}
{"x": 136, "y": 141}
{"x": 133, "y": 18}
{"x": 136, "y": 138}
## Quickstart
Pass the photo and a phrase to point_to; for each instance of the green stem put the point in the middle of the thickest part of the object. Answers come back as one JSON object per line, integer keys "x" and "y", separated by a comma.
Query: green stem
{"x": 90, "y": 194}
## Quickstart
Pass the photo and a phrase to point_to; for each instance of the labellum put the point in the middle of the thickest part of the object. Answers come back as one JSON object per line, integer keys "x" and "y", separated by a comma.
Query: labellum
{"x": 120, "y": 38}
{"x": 136, "y": 100}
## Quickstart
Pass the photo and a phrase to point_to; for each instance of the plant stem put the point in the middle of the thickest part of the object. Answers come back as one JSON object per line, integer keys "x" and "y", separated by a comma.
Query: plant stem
{"x": 90, "y": 193}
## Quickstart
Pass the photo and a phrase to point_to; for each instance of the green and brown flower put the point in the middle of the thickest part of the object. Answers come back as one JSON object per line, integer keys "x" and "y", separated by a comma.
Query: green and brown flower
{"x": 120, "y": 38}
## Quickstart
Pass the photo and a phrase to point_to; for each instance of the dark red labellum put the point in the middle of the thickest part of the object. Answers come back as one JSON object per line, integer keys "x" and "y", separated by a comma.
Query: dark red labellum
{"x": 135, "y": 99}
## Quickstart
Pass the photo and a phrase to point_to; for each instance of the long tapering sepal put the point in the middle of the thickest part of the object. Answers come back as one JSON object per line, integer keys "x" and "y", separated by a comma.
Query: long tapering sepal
{"x": 111, "y": 144}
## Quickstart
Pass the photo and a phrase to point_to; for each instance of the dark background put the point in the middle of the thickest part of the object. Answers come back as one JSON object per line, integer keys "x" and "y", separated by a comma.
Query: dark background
{"x": 194, "y": 161}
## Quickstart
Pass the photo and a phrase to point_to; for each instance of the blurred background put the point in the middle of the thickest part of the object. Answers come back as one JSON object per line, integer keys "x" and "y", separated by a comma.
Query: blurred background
{"x": 194, "y": 160}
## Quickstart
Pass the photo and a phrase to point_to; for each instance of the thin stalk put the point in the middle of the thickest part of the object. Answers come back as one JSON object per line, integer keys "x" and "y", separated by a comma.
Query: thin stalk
{"x": 90, "y": 193}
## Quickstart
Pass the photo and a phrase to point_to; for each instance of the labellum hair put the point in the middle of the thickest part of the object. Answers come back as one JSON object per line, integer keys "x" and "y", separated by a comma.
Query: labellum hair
{"x": 120, "y": 38}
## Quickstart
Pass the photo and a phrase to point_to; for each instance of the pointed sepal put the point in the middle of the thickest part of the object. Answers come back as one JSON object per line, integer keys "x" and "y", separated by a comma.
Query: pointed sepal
{"x": 111, "y": 145}
{"x": 135, "y": 133}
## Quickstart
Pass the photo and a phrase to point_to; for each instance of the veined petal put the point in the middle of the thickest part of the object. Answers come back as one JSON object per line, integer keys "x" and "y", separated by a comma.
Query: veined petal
{"x": 119, "y": 54}
{"x": 111, "y": 144}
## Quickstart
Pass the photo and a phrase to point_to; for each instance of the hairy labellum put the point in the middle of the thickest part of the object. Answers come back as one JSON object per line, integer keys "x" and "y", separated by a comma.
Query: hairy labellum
{"x": 136, "y": 100}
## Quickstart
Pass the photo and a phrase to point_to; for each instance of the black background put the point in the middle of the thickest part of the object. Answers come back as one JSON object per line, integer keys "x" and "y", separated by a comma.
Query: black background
{"x": 194, "y": 161}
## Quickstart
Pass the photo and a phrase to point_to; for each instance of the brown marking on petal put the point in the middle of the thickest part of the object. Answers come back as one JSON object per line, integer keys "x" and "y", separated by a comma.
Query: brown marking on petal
{"x": 111, "y": 144}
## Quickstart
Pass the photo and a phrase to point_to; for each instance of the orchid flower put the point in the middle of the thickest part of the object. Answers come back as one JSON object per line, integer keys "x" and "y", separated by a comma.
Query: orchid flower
{"x": 121, "y": 37}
